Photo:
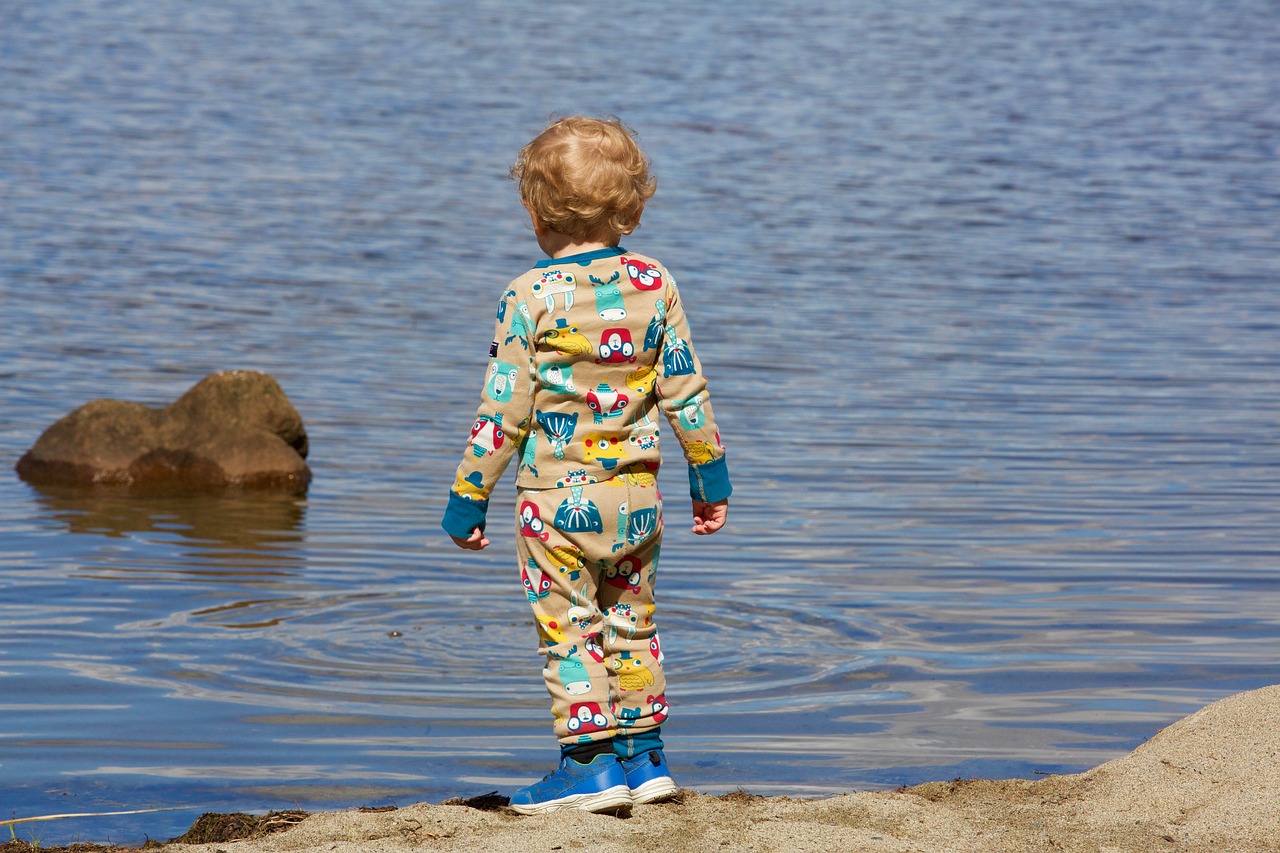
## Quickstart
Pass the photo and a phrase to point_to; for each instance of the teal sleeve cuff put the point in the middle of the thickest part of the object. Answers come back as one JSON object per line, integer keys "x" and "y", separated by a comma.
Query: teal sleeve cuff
{"x": 463, "y": 515}
{"x": 709, "y": 481}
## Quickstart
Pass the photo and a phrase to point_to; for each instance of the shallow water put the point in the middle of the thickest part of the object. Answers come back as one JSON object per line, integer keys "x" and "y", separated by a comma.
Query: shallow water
{"x": 998, "y": 374}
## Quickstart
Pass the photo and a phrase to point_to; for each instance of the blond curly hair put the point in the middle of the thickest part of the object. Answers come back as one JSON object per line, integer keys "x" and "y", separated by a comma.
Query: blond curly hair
{"x": 585, "y": 177}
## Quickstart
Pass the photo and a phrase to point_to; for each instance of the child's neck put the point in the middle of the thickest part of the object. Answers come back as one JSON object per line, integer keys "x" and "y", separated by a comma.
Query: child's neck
{"x": 558, "y": 245}
{"x": 582, "y": 248}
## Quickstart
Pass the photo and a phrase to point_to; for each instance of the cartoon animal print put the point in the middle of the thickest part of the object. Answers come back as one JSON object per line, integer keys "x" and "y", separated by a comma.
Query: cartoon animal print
{"x": 529, "y": 452}
{"x": 559, "y": 427}
{"x": 646, "y": 435}
{"x": 616, "y": 347}
{"x": 658, "y": 707}
{"x": 606, "y": 402}
{"x": 700, "y": 452}
{"x": 641, "y": 380}
{"x": 583, "y": 612}
{"x": 642, "y": 524}
{"x": 591, "y": 645}
{"x": 640, "y": 474}
{"x": 603, "y": 448}
{"x": 657, "y": 326}
{"x": 624, "y": 574}
{"x": 620, "y": 617}
{"x": 531, "y": 524}
{"x": 620, "y": 541}
{"x": 655, "y": 649}
{"x": 487, "y": 435}
{"x": 581, "y": 616}
{"x": 586, "y": 717}
{"x": 578, "y": 514}
{"x": 570, "y": 671}
{"x": 554, "y": 283}
{"x": 550, "y": 630}
{"x": 691, "y": 415}
{"x": 570, "y": 561}
{"x": 609, "y": 303}
{"x": 521, "y": 326}
{"x": 632, "y": 674}
{"x": 647, "y": 619}
{"x": 567, "y": 340}
{"x": 536, "y": 584}
{"x": 644, "y": 276}
{"x": 557, "y": 377}
{"x": 471, "y": 487}
{"x": 643, "y": 442}
{"x": 502, "y": 381}
{"x": 628, "y": 717}
{"x": 575, "y": 478}
{"x": 502, "y": 305}
{"x": 677, "y": 360}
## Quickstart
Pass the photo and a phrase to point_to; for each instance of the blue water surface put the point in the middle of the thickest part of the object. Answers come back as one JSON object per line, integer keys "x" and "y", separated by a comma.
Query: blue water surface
{"x": 990, "y": 299}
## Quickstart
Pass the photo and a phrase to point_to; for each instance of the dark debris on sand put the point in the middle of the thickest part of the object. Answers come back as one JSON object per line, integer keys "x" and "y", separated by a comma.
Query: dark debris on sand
{"x": 490, "y": 802}
{"x": 214, "y": 828}
{"x": 210, "y": 828}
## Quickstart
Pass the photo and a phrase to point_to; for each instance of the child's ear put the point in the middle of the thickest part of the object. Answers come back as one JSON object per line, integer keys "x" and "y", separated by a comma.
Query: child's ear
{"x": 538, "y": 227}
{"x": 635, "y": 220}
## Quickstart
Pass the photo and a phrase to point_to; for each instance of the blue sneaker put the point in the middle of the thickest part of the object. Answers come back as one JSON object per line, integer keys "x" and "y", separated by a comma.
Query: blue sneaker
{"x": 600, "y": 786}
{"x": 649, "y": 778}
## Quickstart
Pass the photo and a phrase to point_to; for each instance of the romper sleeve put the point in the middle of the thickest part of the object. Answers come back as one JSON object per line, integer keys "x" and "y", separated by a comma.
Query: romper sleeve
{"x": 683, "y": 398}
{"x": 502, "y": 421}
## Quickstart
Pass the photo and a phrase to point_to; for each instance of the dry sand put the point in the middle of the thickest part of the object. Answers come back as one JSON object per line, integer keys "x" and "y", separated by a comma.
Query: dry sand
{"x": 1210, "y": 782}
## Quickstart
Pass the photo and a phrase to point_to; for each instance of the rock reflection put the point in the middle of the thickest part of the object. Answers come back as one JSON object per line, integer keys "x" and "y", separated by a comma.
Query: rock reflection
{"x": 227, "y": 529}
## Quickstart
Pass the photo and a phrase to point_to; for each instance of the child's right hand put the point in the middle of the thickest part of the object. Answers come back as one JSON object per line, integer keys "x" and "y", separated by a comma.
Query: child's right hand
{"x": 475, "y": 542}
{"x": 709, "y": 517}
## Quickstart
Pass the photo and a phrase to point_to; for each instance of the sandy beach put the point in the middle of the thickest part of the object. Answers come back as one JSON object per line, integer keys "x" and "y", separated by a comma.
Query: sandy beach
{"x": 1210, "y": 782}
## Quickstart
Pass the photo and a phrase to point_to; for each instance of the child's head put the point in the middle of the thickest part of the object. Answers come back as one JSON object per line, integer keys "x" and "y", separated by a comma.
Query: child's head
{"x": 585, "y": 178}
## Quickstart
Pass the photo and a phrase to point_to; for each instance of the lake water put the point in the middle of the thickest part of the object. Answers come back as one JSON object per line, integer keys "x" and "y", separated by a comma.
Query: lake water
{"x": 999, "y": 373}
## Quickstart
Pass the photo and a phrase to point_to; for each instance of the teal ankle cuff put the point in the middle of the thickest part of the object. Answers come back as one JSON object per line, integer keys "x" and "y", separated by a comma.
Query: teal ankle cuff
{"x": 627, "y": 745}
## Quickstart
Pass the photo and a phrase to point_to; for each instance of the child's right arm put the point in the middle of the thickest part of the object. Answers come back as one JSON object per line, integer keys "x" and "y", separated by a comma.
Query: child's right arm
{"x": 501, "y": 423}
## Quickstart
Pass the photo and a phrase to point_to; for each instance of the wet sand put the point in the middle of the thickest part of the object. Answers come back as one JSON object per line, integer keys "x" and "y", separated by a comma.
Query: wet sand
{"x": 1210, "y": 782}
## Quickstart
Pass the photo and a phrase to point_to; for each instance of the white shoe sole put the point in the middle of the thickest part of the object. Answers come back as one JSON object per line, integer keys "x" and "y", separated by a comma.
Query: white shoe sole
{"x": 612, "y": 799}
{"x": 662, "y": 788}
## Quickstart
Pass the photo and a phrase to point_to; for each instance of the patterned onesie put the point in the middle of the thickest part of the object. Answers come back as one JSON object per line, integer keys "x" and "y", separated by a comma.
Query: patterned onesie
{"x": 587, "y": 350}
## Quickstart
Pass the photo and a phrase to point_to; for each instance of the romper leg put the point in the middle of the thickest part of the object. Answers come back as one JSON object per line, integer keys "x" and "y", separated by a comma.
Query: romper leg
{"x": 561, "y": 584}
{"x": 626, "y": 601}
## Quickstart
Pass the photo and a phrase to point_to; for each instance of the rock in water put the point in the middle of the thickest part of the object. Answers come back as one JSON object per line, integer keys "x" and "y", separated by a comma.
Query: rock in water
{"x": 232, "y": 429}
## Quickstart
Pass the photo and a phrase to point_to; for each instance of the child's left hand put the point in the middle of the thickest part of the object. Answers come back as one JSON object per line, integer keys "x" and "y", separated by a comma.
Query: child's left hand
{"x": 709, "y": 517}
{"x": 475, "y": 542}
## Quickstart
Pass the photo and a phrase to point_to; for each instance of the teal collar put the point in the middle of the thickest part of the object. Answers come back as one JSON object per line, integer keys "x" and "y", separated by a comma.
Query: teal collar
{"x": 583, "y": 259}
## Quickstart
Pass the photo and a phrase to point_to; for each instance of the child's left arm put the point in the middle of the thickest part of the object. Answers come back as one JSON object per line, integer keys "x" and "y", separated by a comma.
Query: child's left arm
{"x": 682, "y": 389}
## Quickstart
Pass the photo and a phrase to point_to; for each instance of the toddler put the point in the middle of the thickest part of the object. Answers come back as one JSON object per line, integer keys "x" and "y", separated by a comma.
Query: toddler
{"x": 589, "y": 346}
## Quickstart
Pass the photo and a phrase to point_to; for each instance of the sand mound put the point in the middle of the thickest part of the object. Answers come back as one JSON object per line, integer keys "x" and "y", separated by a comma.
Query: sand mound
{"x": 1210, "y": 782}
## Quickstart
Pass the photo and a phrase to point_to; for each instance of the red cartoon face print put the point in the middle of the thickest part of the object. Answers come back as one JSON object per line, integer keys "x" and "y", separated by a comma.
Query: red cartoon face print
{"x": 624, "y": 574}
{"x": 616, "y": 347}
{"x": 486, "y": 437}
{"x": 643, "y": 276}
{"x": 531, "y": 524}
{"x": 536, "y": 584}
{"x": 591, "y": 645}
{"x": 586, "y": 717}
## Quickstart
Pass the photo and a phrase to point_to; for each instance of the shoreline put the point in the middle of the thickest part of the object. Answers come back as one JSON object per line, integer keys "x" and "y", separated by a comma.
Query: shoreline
{"x": 1209, "y": 782}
